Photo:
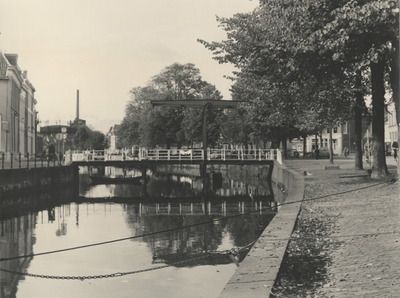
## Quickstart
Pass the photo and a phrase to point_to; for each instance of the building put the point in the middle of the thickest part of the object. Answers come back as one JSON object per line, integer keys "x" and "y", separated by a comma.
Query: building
{"x": 112, "y": 138}
{"x": 17, "y": 108}
{"x": 391, "y": 128}
{"x": 342, "y": 136}
{"x": 59, "y": 135}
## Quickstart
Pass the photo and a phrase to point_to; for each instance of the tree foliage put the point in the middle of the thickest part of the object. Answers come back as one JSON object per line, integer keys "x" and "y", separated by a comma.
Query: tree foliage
{"x": 302, "y": 58}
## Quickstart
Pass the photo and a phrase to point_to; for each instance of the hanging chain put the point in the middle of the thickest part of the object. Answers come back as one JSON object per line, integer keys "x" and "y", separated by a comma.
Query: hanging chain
{"x": 232, "y": 251}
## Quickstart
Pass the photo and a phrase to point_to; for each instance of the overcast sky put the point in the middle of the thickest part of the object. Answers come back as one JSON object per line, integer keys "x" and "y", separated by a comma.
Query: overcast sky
{"x": 104, "y": 48}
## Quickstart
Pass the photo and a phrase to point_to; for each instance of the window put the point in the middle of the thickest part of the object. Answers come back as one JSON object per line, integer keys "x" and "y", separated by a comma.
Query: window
{"x": 15, "y": 96}
{"x": 344, "y": 128}
{"x": 335, "y": 129}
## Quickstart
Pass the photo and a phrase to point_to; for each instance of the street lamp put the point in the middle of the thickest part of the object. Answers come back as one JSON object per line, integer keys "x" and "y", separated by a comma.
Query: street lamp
{"x": 201, "y": 103}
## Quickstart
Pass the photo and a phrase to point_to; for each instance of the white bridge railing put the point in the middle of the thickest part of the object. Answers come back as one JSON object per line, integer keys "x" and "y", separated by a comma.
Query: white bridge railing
{"x": 175, "y": 154}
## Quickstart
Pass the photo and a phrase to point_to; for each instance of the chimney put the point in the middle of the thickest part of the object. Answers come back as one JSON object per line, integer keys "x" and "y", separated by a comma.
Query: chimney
{"x": 77, "y": 105}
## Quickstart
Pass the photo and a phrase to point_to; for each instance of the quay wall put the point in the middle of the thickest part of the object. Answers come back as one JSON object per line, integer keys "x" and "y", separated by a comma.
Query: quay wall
{"x": 258, "y": 271}
{"x": 14, "y": 182}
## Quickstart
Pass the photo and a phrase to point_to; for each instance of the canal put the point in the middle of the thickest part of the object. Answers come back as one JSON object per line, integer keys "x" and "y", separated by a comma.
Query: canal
{"x": 113, "y": 239}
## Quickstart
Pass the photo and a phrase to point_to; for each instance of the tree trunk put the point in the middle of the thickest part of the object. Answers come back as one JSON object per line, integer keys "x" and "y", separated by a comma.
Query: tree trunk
{"x": 330, "y": 146}
{"x": 379, "y": 167}
{"x": 358, "y": 164}
{"x": 304, "y": 145}
{"x": 284, "y": 146}
{"x": 316, "y": 141}
{"x": 394, "y": 82}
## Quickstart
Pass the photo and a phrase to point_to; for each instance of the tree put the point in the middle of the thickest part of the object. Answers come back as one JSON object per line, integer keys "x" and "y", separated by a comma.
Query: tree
{"x": 81, "y": 139}
{"x": 293, "y": 51}
{"x": 365, "y": 34}
{"x": 85, "y": 139}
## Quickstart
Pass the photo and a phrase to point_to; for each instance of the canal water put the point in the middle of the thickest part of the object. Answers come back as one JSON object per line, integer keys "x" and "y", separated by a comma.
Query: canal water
{"x": 158, "y": 235}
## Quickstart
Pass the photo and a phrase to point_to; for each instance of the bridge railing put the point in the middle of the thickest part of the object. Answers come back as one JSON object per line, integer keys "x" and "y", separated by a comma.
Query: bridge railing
{"x": 176, "y": 154}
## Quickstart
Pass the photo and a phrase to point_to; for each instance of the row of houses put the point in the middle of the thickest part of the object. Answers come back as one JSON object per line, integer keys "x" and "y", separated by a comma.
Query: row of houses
{"x": 18, "y": 116}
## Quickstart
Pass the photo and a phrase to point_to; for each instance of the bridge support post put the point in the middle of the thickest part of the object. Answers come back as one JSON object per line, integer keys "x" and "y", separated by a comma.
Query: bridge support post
{"x": 144, "y": 184}
{"x": 203, "y": 169}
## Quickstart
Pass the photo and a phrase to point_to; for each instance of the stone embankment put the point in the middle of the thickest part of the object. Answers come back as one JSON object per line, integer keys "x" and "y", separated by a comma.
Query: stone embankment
{"x": 21, "y": 187}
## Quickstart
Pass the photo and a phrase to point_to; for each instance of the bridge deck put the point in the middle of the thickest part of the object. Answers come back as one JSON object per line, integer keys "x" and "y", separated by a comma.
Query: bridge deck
{"x": 149, "y": 162}
{"x": 148, "y": 157}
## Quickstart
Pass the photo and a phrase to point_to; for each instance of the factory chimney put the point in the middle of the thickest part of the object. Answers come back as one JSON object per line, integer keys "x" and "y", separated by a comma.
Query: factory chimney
{"x": 77, "y": 105}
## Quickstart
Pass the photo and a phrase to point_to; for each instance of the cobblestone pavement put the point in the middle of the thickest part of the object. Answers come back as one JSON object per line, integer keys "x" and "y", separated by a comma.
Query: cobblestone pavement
{"x": 365, "y": 260}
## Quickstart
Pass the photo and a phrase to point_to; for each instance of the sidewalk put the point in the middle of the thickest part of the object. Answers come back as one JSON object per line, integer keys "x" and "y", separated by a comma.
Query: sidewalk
{"x": 348, "y": 244}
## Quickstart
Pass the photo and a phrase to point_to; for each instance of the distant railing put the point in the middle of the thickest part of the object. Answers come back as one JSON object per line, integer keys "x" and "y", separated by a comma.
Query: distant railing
{"x": 175, "y": 154}
{"x": 17, "y": 160}
{"x": 12, "y": 160}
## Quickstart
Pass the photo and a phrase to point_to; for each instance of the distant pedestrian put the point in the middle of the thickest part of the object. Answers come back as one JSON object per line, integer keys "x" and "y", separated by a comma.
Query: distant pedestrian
{"x": 345, "y": 152}
{"x": 52, "y": 152}
{"x": 395, "y": 147}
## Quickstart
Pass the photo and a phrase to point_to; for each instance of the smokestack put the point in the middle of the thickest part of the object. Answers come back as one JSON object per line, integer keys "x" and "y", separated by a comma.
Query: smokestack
{"x": 77, "y": 104}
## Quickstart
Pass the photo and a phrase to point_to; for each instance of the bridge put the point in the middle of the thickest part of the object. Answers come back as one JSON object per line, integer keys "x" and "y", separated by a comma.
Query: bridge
{"x": 145, "y": 156}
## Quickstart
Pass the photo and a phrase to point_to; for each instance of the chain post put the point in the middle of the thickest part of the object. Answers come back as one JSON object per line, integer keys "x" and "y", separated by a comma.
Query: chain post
{"x": 2, "y": 160}
{"x": 12, "y": 157}
{"x": 27, "y": 160}
{"x": 19, "y": 159}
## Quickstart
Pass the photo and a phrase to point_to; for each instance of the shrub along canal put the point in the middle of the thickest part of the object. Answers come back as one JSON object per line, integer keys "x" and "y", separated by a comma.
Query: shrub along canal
{"x": 113, "y": 241}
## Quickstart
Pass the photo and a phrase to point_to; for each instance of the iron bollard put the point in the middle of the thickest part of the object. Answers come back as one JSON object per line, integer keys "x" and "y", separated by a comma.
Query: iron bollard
{"x": 19, "y": 159}
{"x": 12, "y": 157}
{"x": 2, "y": 160}
{"x": 35, "y": 161}
{"x": 48, "y": 161}
{"x": 27, "y": 160}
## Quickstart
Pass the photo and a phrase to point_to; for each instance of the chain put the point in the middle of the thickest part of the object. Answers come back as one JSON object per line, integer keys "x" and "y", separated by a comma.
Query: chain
{"x": 232, "y": 251}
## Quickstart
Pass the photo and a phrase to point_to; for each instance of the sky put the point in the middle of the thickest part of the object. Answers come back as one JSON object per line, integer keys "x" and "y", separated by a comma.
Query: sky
{"x": 104, "y": 48}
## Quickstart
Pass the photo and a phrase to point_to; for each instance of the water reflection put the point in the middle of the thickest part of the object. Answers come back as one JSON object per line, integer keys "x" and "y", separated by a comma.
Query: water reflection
{"x": 175, "y": 230}
{"x": 174, "y": 183}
